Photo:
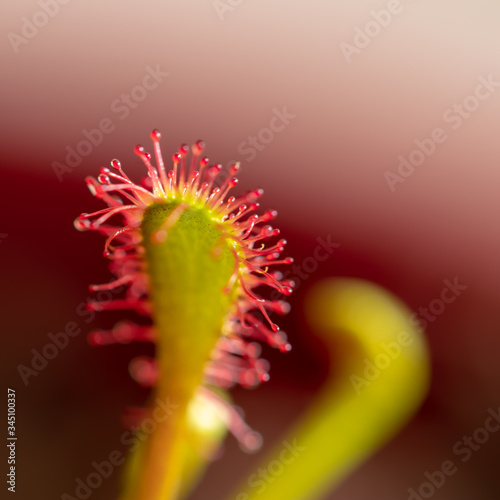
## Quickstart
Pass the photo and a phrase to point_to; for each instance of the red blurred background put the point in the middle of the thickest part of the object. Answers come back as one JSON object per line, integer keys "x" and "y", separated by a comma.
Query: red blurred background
{"x": 230, "y": 70}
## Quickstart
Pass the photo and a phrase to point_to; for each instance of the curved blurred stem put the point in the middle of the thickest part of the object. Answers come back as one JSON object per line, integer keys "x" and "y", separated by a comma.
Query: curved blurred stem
{"x": 357, "y": 411}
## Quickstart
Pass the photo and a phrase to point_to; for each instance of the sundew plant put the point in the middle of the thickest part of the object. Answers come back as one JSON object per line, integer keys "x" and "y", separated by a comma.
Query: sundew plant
{"x": 195, "y": 262}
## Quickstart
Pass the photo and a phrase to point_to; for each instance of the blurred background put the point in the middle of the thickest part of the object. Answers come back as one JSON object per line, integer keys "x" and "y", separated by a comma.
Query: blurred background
{"x": 372, "y": 123}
